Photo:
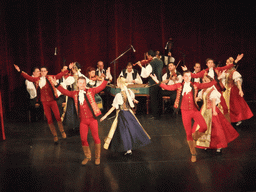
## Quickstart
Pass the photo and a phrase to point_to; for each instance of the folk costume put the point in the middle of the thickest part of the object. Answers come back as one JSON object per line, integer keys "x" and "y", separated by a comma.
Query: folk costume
{"x": 126, "y": 132}
{"x": 87, "y": 110}
{"x": 48, "y": 96}
{"x": 185, "y": 100}
{"x": 237, "y": 106}
{"x": 213, "y": 73}
{"x": 219, "y": 131}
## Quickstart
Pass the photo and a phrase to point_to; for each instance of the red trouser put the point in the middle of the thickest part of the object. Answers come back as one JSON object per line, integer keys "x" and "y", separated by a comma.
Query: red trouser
{"x": 84, "y": 128}
{"x": 187, "y": 116}
{"x": 48, "y": 106}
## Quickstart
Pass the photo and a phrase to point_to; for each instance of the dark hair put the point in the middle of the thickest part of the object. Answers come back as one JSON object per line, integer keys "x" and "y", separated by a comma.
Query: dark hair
{"x": 208, "y": 59}
{"x": 78, "y": 65}
{"x": 44, "y": 67}
{"x": 33, "y": 69}
{"x": 186, "y": 71}
{"x": 88, "y": 70}
{"x": 152, "y": 53}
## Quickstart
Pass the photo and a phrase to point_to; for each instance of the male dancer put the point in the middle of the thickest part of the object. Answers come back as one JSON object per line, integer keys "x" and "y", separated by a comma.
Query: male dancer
{"x": 87, "y": 109}
{"x": 48, "y": 94}
{"x": 185, "y": 100}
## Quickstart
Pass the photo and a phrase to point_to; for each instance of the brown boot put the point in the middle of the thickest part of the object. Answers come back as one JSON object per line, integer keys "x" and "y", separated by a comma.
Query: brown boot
{"x": 87, "y": 153}
{"x": 197, "y": 135}
{"x": 63, "y": 134}
{"x": 192, "y": 145}
{"x": 97, "y": 153}
{"x": 53, "y": 130}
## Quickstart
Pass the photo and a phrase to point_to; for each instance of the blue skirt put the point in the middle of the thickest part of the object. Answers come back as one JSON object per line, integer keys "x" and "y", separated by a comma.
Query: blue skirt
{"x": 129, "y": 134}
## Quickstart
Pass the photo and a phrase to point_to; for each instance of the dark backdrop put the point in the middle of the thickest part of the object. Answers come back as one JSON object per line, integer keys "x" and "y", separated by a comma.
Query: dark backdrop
{"x": 88, "y": 31}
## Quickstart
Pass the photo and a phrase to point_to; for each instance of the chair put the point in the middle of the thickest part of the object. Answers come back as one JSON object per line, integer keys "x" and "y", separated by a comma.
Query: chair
{"x": 165, "y": 98}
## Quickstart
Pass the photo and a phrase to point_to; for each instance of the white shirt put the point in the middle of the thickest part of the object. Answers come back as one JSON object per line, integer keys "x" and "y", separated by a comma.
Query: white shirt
{"x": 31, "y": 89}
{"x": 99, "y": 74}
{"x": 197, "y": 80}
{"x": 129, "y": 77}
{"x": 236, "y": 77}
{"x": 171, "y": 82}
{"x": 166, "y": 62}
{"x": 186, "y": 88}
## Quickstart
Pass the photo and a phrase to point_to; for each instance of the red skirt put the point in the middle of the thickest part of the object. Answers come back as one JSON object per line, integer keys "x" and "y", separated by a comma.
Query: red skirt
{"x": 239, "y": 109}
{"x": 222, "y": 132}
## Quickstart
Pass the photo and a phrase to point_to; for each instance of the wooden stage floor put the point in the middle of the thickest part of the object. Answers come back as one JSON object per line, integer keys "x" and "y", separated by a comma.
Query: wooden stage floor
{"x": 31, "y": 162}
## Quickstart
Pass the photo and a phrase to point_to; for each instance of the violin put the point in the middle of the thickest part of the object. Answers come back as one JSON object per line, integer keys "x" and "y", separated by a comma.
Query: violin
{"x": 144, "y": 62}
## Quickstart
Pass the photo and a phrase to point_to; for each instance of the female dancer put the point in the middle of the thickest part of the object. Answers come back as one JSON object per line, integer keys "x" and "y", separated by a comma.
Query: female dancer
{"x": 237, "y": 106}
{"x": 126, "y": 132}
{"x": 219, "y": 131}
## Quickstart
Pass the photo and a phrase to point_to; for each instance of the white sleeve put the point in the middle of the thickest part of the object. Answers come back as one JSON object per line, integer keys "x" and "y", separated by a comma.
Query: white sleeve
{"x": 138, "y": 79}
{"x": 200, "y": 94}
{"x": 237, "y": 77}
{"x": 215, "y": 95}
{"x": 164, "y": 77}
{"x": 145, "y": 72}
{"x": 118, "y": 100}
{"x": 179, "y": 79}
{"x": 31, "y": 89}
{"x": 69, "y": 80}
{"x": 131, "y": 94}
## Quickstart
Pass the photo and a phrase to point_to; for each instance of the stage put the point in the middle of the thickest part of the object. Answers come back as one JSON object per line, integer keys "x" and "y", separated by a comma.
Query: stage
{"x": 31, "y": 162}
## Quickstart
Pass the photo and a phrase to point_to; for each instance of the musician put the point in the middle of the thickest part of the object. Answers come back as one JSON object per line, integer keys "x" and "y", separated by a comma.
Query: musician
{"x": 101, "y": 73}
{"x": 131, "y": 75}
{"x": 197, "y": 69}
{"x": 155, "y": 67}
{"x": 34, "y": 106}
{"x": 168, "y": 59}
{"x": 171, "y": 77}
{"x": 48, "y": 94}
{"x": 92, "y": 79}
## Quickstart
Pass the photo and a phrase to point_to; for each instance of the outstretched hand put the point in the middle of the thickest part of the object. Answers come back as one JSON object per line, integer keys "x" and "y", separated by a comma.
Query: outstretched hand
{"x": 184, "y": 68}
{"x": 102, "y": 118}
{"x": 154, "y": 78}
{"x": 17, "y": 67}
{"x": 239, "y": 57}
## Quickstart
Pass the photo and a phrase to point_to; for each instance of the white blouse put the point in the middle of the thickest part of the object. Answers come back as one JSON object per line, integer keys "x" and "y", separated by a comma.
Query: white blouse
{"x": 118, "y": 100}
{"x": 214, "y": 95}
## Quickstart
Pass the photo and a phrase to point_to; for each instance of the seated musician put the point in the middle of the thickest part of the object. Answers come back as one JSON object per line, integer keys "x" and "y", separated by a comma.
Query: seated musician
{"x": 172, "y": 76}
{"x": 101, "y": 73}
{"x": 131, "y": 75}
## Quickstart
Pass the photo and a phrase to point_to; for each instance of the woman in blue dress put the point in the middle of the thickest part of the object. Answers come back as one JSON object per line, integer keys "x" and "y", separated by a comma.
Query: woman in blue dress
{"x": 126, "y": 132}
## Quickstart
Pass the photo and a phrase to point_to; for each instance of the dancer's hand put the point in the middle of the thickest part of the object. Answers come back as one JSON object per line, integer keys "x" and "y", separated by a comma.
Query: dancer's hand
{"x": 241, "y": 93}
{"x": 239, "y": 57}
{"x": 135, "y": 101}
{"x": 214, "y": 113}
{"x": 17, "y": 67}
{"x": 102, "y": 118}
{"x": 184, "y": 68}
{"x": 154, "y": 78}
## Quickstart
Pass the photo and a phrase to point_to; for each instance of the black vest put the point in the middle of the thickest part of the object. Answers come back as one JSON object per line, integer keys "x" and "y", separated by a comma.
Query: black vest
{"x": 157, "y": 66}
{"x": 134, "y": 74}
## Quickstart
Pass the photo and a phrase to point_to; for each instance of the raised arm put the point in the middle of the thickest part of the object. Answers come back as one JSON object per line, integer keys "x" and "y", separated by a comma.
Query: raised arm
{"x": 206, "y": 85}
{"x": 25, "y": 75}
{"x": 220, "y": 69}
{"x": 107, "y": 114}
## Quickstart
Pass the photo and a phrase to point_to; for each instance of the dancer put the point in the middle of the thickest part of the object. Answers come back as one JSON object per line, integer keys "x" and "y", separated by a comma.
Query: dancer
{"x": 219, "y": 131}
{"x": 48, "y": 94}
{"x": 237, "y": 106}
{"x": 185, "y": 100}
{"x": 126, "y": 132}
{"x": 87, "y": 110}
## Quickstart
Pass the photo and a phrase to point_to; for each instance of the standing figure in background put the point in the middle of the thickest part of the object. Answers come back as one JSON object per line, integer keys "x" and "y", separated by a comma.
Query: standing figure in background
{"x": 87, "y": 110}
{"x": 237, "y": 106}
{"x": 48, "y": 95}
{"x": 154, "y": 67}
{"x": 69, "y": 116}
{"x": 131, "y": 75}
{"x": 34, "y": 104}
{"x": 126, "y": 132}
{"x": 197, "y": 69}
{"x": 219, "y": 131}
{"x": 185, "y": 100}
